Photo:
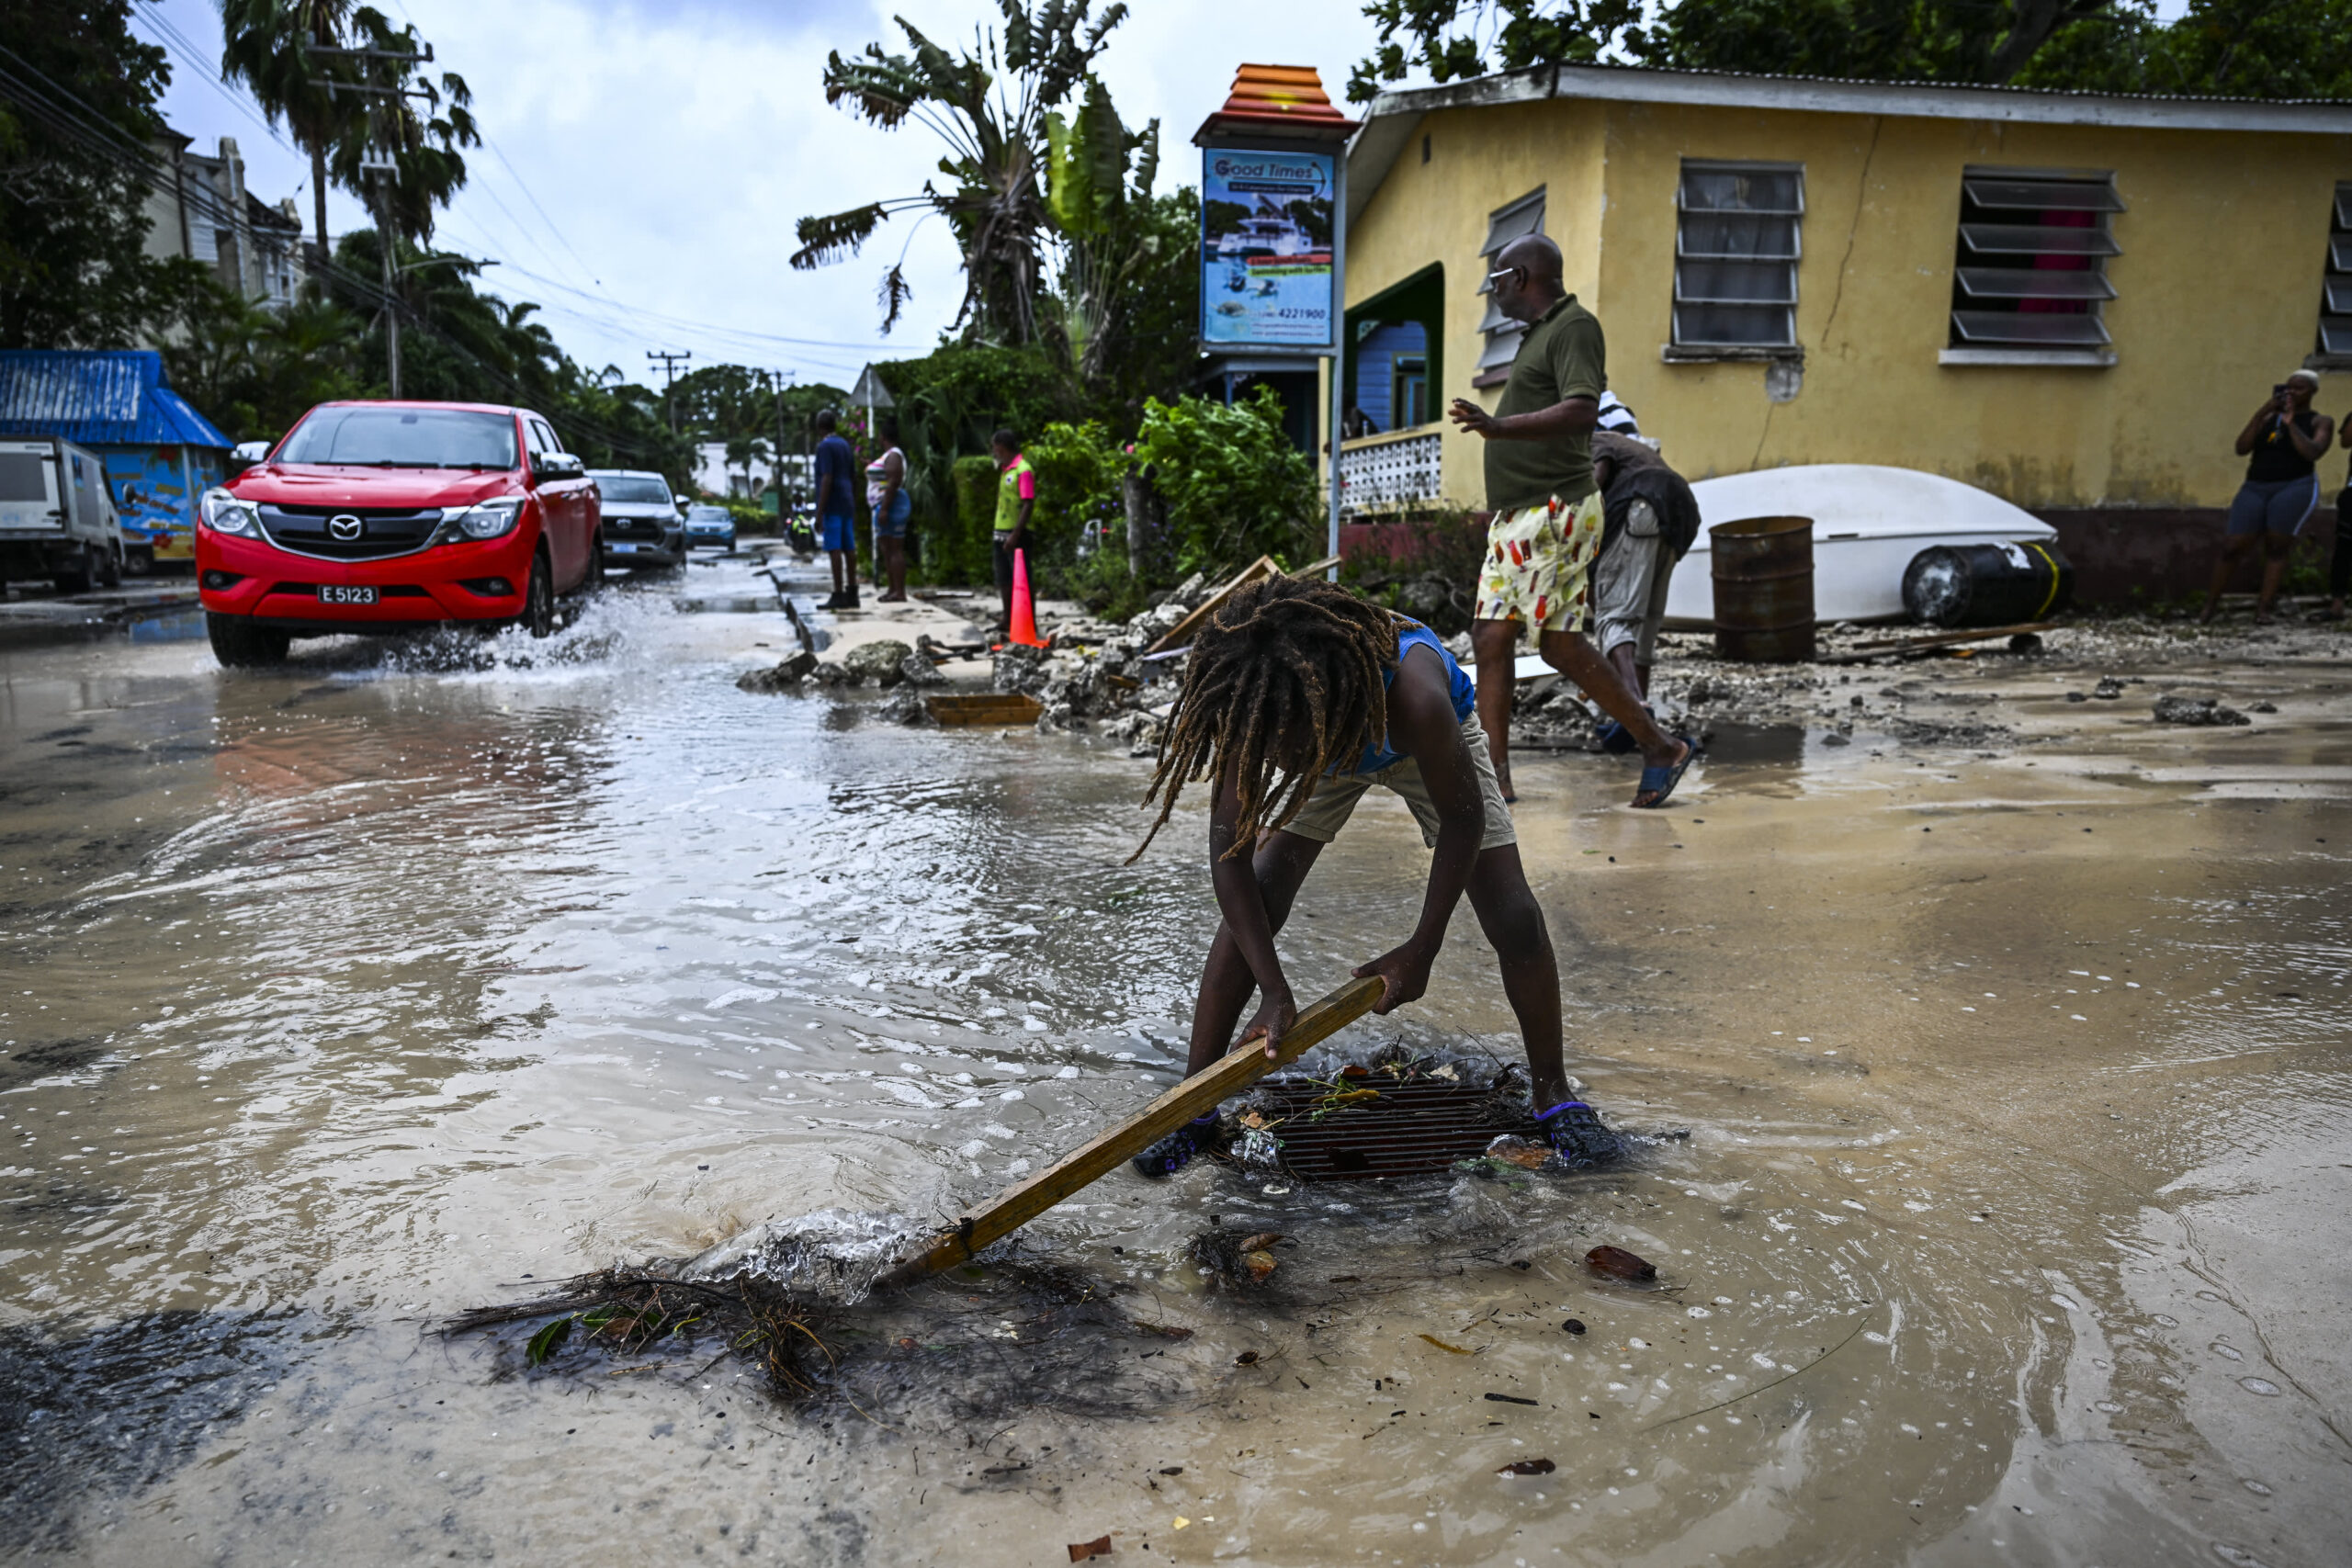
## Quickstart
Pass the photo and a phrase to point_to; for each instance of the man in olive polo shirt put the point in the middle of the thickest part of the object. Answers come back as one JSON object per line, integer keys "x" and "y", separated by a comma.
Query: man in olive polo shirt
{"x": 1545, "y": 525}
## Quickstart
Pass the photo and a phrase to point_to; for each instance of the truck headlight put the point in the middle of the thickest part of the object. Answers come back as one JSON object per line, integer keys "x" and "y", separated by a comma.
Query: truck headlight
{"x": 225, "y": 513}
{"x": 487, "y": 521}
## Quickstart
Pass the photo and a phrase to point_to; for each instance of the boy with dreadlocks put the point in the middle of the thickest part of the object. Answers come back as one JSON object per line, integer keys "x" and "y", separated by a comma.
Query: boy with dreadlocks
{"x": 1297, "y": 698}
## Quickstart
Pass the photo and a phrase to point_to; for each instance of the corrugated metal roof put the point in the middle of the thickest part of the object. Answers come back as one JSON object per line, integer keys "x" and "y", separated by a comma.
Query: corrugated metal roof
{"x": 99, "y": 397}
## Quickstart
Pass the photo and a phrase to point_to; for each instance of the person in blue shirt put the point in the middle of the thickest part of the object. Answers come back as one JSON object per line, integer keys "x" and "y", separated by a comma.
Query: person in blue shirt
{"x": 836, "y": 469}
{"x": 1298, "y": 697}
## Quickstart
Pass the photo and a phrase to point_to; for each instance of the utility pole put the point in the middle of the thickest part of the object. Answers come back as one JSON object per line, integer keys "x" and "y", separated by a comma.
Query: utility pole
{"x": 379, "y": 165}
{"x": 781, "y": 380}
{"x": 378, "y": 162}
{"x": 669, "y": 361}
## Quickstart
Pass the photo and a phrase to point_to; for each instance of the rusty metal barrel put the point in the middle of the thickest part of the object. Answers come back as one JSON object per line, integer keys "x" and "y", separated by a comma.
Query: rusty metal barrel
{"x": 1763, "y": 573}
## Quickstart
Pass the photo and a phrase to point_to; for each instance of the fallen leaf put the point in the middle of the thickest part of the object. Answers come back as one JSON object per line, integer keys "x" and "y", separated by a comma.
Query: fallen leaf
{"x": 1079, "y": 1551}
{"x": 1260, "y": 1263}
{"x": 1618, "y": 1263}
{"x": 1574, "y": 1325}
{"x": 1182, "y": 1522}
{"x": 547, "y": 1340}
{"x": 1516, "y": 1467}
{"x": 1509, "y": 1399}
{"x": 1262, "y": 1241}
{"x": 1173, "y": 1470}
{"x": 1247, "y": 1358}
{"x": 1449, "y": 1350}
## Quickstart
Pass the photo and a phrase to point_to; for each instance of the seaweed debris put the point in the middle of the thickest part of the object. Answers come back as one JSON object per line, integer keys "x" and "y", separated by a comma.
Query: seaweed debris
{"x": 960, "y": 1347}
{"x": 629, "y": 1311}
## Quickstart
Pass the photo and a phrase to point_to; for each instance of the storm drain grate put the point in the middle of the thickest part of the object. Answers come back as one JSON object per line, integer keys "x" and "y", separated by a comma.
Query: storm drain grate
{"x": 1402, "y": 1129}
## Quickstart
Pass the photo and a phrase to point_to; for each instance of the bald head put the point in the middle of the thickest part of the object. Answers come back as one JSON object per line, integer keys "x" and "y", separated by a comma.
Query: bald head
{"x": 1528, "y": 282}
{"x": 1537, "y": 255}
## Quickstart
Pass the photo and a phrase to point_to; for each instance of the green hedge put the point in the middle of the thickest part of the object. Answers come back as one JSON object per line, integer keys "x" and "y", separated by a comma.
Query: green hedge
{"x": 957, "y": 549}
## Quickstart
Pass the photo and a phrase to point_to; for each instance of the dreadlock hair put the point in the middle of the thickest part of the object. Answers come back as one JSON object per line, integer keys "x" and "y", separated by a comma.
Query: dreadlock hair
{"x": 1279, "y": 655}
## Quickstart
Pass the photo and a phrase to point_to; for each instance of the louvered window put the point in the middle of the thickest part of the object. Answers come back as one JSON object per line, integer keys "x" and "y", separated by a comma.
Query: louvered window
{"x": 1501, "y": 334}
{"x": 1736, "y": 244}
{"x": 2031, "y": 266}
{"x": 2335, "y": 295}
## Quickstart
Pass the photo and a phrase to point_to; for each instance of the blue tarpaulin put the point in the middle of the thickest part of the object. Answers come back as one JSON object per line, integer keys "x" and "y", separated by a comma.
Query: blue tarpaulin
{"x": 98, "y": 397}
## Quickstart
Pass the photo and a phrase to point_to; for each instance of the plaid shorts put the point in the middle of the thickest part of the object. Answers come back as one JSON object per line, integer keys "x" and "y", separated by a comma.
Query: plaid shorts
{"x": 1539, "y": 564}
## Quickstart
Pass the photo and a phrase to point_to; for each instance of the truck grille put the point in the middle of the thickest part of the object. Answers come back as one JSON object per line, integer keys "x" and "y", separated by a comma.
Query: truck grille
{"x": 312, "y": 530}
{"x": 648, "y": 528}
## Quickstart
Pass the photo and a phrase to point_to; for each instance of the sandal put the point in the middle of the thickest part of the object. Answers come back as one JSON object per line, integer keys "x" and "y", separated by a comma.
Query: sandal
{"x": 1618, "y": 740}
{"x": 1174, "y": 1152}
{"x": 1657, "y": 783}
{"x": 1578, "y": 1136}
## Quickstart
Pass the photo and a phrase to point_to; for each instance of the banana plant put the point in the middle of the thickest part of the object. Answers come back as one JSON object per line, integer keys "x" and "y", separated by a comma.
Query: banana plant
{"x": 1088, "y": 195}
{"x": 989, "y": 102}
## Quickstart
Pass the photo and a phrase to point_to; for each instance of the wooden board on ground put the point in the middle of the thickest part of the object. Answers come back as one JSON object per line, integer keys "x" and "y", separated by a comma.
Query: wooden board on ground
{"x": 1181, "y": 635}
{"x": 1893, "y": 647}
{"x": 1196, "y": 1096}
{"x": 984, "y": 707}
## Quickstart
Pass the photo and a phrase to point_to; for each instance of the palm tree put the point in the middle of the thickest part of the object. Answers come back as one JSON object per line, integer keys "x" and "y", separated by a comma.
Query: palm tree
{"x": 989, "y": 104}
{"x": 742, "y": 451}
{"x": 267, "y": 45}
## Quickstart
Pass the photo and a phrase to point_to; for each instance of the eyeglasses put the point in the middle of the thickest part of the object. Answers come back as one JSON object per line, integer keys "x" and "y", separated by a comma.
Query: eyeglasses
{"x": 1507, "y": 272}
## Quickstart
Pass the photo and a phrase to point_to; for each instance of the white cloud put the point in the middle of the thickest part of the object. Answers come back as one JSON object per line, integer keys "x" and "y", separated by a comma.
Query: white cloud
{"x": 673, "y": 148}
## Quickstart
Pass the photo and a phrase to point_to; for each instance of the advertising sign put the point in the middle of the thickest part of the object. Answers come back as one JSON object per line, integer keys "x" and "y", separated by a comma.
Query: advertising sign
{"x": 1266, "y": 250}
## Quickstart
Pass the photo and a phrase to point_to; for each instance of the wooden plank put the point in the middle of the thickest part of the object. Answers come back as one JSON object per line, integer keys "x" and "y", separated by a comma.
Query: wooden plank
{"x": 1196, "y": 1096}
{"x": 1891, "y": 647}
{"x": 1169, "y": 648}
{"x": 1182, "y": 632}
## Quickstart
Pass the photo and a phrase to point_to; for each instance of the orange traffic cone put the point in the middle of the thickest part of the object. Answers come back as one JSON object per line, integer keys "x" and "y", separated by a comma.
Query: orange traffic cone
{"x": 1024, "y": 611}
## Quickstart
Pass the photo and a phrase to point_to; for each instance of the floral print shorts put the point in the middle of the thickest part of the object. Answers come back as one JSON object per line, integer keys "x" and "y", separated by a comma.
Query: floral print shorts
{"x": 1539, "y": 564}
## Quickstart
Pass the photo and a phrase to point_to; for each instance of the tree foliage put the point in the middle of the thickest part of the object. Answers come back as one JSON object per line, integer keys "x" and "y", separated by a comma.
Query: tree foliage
{"x": 989, "y": 102}
{"x": 2237, "y": 48}
{"x": 340, "y": 107}
{"x": 78, "y": 129}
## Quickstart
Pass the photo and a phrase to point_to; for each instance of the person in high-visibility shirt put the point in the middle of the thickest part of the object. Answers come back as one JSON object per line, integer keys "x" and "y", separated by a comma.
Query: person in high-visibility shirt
{"x": 1017, "y": 497}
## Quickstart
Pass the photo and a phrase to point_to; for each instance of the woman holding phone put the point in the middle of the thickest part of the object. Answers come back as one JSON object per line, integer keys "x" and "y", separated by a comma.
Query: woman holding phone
{"x": 2282, "y": 444}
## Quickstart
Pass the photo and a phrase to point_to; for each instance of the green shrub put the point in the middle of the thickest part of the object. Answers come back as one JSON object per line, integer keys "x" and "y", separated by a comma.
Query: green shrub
{"x": 1235, "y": 487}
{"x": 955, "y": 548}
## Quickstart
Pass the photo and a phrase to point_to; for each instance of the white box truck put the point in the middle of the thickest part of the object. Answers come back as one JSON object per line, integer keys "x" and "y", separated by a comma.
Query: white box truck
{"x": 57, "y": 517}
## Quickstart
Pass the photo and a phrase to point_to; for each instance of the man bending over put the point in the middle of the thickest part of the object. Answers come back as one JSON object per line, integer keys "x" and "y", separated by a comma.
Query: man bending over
{"x": 1297, "y": 698}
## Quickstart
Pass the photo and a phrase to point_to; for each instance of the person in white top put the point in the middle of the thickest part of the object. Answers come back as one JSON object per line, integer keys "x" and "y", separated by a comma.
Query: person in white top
{"x": 891, "y": 506}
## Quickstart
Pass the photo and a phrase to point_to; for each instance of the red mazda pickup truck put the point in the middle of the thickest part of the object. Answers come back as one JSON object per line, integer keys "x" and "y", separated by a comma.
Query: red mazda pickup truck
{"x": 393, "y": 516}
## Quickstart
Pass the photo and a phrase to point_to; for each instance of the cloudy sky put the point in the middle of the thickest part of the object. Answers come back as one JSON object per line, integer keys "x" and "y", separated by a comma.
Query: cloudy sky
{"x": 645, "y": 163}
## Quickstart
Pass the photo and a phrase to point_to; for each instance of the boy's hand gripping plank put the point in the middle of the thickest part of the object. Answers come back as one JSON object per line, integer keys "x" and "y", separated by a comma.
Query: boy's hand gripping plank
{"x": 1237, "y": 1070}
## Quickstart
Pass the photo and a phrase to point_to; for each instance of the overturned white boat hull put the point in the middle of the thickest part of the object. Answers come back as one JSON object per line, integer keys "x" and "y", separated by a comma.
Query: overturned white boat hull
{"x": 1868, "y": 521}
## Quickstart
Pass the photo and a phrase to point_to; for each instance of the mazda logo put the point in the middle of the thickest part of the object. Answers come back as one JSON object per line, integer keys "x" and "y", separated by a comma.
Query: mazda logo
{"x": 345, "y": 526}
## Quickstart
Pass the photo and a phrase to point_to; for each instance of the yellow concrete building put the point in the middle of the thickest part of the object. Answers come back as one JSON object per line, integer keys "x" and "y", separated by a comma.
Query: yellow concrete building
{"x": 2071, "y": 300}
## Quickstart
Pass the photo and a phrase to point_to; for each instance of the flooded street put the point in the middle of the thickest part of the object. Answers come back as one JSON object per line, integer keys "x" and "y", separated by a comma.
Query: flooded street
{"x": 2011, "y": 1223}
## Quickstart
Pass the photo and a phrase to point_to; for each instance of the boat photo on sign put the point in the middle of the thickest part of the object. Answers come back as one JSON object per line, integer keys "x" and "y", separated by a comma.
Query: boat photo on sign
{"x": 1266, "y": 248}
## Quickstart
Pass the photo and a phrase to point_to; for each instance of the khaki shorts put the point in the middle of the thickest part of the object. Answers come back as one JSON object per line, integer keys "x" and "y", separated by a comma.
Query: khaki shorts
{"x": 1334, "y": 800}
{"x": 1539, "y": 564}
{"x": 1630, "y": 583}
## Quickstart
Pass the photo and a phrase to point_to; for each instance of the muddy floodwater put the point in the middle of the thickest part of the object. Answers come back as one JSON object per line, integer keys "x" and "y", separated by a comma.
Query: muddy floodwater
{"x": 2011, "y": 1223}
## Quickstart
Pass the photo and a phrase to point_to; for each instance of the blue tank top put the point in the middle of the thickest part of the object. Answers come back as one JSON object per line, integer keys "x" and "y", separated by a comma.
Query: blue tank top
{"x": 1459, "y": 686}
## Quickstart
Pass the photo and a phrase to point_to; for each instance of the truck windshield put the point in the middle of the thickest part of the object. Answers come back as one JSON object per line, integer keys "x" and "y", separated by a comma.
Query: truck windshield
{"x": 404, "y": 438}
{"x": 634, "y": 492}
